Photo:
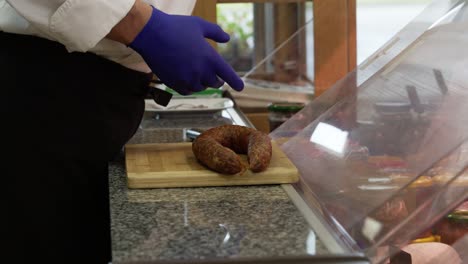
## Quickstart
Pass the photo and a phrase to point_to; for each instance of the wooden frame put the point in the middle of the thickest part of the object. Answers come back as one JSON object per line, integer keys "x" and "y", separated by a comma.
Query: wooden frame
{"x": 207, "y": 10}
{"x": 335, "y": 41}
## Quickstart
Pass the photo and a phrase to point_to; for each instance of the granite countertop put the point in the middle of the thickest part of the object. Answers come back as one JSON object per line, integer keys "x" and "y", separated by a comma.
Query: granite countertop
{"x": 203, "y": 223}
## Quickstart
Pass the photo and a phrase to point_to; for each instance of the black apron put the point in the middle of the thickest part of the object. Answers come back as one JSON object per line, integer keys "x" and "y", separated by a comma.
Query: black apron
{"x": 64, "y": 117}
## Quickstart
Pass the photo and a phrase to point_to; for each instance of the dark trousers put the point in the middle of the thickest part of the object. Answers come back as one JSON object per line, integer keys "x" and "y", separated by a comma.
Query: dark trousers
{"x": 63, "y": 117}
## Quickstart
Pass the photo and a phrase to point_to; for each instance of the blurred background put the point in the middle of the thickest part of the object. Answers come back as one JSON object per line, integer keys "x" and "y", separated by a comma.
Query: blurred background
{"x": 377, "y": 21}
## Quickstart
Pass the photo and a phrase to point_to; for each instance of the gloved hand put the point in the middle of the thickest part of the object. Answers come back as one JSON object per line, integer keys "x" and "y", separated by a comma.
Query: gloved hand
{"x": 175, "y": 49}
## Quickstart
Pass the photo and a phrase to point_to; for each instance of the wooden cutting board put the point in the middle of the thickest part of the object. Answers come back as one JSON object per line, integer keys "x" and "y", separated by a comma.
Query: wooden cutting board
{"x": 165, "y": 165}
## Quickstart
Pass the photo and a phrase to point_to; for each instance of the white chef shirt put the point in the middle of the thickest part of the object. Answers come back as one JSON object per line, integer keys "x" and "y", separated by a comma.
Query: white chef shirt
{"x": 81, "y": 25}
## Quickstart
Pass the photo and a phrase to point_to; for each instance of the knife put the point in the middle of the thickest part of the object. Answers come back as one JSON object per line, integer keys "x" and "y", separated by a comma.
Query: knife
{"x": 192, "y": 133}
{"x": 160, "y": 96}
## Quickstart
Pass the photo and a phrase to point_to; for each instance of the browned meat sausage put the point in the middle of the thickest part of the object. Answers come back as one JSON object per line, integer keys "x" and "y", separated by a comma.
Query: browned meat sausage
{"x": 217, "y": 147}
{"x": 393, "y": 210}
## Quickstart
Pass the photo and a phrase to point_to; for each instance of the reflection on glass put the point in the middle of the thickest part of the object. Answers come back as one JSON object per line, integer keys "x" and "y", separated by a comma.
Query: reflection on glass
{"x": 379, "y": 20}
{"x": 311, "y": 241}
{"x": 227, "y": 236}
{"x": 371, "y": 228}
{"x": 330, "y": 137}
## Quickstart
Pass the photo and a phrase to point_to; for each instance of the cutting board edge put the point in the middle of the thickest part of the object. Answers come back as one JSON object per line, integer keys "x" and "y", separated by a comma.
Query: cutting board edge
{"x": 135, "y": 181}
{"x": 146, "y": 185}
{"x": 161, "y": 145}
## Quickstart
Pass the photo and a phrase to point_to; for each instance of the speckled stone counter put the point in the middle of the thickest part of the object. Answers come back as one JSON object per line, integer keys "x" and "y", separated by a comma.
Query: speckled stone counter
{"x": 204, "y": 223}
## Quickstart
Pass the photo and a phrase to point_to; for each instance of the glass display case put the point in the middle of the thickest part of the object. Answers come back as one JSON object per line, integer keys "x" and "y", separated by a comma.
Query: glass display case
{"x": 383, "y": 154}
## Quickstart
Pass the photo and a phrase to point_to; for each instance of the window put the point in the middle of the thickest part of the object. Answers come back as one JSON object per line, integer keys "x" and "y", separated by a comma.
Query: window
{"x": 238, "y": 21}
{"x": 258, "y": 29}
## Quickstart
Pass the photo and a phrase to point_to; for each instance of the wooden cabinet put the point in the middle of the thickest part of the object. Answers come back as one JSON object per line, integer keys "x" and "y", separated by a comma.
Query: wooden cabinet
{"x": 335, "y": 41}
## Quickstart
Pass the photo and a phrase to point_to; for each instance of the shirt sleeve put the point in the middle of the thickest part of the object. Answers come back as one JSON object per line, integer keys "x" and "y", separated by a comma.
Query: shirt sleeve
{"x": 179, "y": 7}
{"x": 78, "y": 24}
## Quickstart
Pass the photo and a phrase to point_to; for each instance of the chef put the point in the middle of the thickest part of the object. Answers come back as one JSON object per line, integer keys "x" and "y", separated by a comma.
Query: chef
{"x": 73, "y": 76}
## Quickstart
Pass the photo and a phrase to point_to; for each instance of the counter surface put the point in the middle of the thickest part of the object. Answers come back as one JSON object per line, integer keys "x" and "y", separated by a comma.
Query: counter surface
{"x": 201, "y": 223}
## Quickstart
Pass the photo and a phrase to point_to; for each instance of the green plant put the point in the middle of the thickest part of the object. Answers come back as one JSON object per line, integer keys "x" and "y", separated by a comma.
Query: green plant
{"x": 237, "y": 21}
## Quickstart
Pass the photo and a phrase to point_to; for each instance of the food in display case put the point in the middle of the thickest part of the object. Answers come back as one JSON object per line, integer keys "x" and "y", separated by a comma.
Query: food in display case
{"x": 454, "y": 226}
{"x": 459, "y": 185}
{"x": 387, "y": 163}
{"x": 426, "y": 237}
{"x": 392, "y": 211}
{"x": 397, "y": 127}
{"x": 278, "y": 113}
{"x": 461, "y": 182}
{"x": 418, "y": 191}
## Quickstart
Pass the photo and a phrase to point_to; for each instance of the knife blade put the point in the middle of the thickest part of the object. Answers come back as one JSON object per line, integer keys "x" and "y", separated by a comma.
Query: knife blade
{"x": 160, "y": 96}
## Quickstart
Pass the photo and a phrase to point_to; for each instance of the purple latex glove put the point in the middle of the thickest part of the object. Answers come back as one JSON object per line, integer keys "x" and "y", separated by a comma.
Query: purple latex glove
{"x": 175, "y": 49}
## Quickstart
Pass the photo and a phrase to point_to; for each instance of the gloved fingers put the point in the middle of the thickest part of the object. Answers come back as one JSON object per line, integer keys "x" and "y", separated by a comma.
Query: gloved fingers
{"x": 184, "y": 91}
{"x": 227, "y": 73}
{"x": 212, "y": 81}
{"x": 197, "y": 87}
{"x": 213, "y": 31}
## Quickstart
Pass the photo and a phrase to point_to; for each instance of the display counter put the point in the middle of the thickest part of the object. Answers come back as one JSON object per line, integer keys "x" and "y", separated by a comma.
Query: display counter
{"x": 245, "y": 223}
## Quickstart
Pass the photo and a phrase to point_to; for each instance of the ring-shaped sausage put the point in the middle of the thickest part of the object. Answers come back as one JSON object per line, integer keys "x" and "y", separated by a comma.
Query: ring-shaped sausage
{"x": 217, "y": 148}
